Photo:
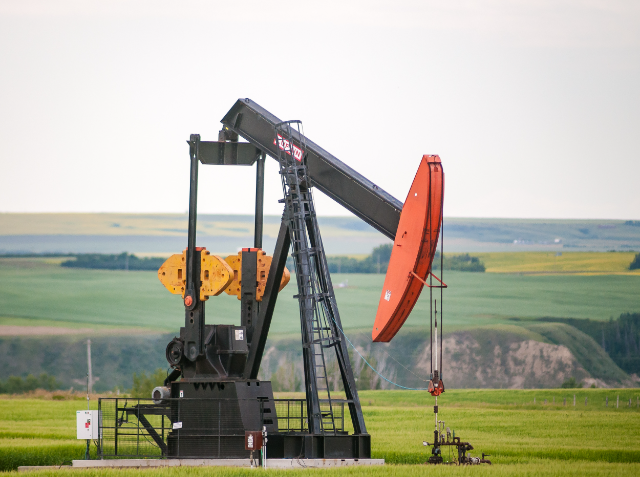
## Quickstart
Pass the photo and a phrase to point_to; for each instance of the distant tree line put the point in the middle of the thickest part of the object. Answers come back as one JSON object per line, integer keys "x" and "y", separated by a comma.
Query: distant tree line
{"x": 620, "y": 338}
{"x": 378, "y": 261}
{"x": 123, "y": 261}
{"x": 18, "y": 385}
{"x": 570, "y": 383}
{"x": 143, "y": 385}
{"x": 36, "y": 255}
{"x": 461, "y": 263}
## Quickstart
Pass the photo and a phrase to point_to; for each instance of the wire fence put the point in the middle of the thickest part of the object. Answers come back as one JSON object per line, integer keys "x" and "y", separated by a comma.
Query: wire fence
{"x": 292, "y": 414}
{"x": 202, "y": 428}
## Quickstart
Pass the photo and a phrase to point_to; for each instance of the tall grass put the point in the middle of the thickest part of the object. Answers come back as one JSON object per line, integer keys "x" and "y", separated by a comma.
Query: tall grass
{"x": 532, "y": 468}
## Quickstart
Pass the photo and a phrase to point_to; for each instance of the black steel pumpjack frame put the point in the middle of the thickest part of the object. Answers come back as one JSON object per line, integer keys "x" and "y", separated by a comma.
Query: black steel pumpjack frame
{"x": 191, "y": 355}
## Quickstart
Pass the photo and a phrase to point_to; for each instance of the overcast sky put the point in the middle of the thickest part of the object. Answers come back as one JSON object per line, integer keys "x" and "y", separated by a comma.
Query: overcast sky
{"x": 533, "y": 106}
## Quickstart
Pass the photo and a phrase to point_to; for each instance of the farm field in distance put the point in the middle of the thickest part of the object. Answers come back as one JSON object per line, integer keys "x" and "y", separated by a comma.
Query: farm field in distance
{"x": 45, "y": 309}
{"x": 38, "y": 292}
{"x": 569, "y": 263}
{"x": 522, "y": 438}
{"x": 166, "y": 234}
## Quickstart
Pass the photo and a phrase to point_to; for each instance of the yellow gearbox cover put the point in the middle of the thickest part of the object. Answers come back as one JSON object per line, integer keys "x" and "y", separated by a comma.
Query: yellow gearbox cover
{"x": 215, "y": 274}
{"x": 262, "y": 269}
{"x": 172, "y": 273}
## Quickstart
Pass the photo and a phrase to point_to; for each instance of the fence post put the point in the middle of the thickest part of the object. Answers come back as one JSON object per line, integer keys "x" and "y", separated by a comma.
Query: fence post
{"x": 138, "y": 431}
{"x": 564, "y": 401}
{"x": 585, "y": 401}
{"x": 574, "y": 400}
{"x": 606, "y": 401}
{"x": 618, "y": 402}
{"x": 115, "y": 431}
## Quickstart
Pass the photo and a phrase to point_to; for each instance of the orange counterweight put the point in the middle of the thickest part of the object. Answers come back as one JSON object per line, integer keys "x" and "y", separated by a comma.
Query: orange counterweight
{"x": 413, "y": 249}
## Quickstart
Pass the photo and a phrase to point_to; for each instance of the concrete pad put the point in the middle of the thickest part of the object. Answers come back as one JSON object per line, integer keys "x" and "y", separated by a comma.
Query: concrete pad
{"x": 142, "y": 463}
{"x": 29, "y": 468}
{"x": 271, "y": 463}
{"x": 319, "y": 463}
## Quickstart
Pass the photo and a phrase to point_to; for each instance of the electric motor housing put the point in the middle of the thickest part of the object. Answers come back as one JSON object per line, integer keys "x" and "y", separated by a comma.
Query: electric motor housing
{"x": 160, "y": 394}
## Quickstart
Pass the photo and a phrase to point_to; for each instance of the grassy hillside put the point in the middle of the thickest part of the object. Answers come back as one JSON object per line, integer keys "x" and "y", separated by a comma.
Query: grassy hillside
{"x": 114, "y": 358}
{"x": 585, "y": 349}
{"x": 539, "y": 355}
{"x": 620, "y": 337}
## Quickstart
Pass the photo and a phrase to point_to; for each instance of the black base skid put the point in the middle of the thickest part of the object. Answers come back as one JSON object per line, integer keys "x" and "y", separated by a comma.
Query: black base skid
{"x": 210, "y": 419}
{"x": 307, "y": 446}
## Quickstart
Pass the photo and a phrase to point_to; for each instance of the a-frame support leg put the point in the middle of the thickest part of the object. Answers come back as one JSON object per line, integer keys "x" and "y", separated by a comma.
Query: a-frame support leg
{"x": 261, "y": 328}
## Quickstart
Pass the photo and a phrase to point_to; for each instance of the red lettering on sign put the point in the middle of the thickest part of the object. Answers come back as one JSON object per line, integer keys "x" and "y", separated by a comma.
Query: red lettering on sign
{"x": 287, "y": 146}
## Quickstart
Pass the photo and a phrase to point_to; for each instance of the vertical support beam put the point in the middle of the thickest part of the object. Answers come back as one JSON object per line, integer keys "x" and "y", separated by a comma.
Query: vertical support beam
{"x": 248, "y": 303}
{"x": 194, "y": 143}
{"x": 257, "y": 240}
{"x": 261, "y": 328}
{"x": 194, "y": 310}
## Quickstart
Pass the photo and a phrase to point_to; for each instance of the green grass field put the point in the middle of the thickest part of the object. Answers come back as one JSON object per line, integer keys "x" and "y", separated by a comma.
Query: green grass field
{"x": 523, "y": 438}
{"x": 38, "y": 292}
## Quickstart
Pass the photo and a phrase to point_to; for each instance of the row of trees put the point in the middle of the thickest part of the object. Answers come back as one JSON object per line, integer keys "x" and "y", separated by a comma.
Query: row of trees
{"x": 142, "y": 384}
{"x": 461, "y": 263}
{"x": 123, "y": 261}
{"x": 378, "y": 262}
{"x": 19, "y": 385}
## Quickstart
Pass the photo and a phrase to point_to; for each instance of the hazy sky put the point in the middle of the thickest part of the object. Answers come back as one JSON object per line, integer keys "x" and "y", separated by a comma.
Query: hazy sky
{"x": 533, "y": 106}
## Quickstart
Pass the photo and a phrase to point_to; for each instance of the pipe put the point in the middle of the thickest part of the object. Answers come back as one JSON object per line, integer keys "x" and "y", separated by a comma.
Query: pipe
{"x": 257, "y": 239}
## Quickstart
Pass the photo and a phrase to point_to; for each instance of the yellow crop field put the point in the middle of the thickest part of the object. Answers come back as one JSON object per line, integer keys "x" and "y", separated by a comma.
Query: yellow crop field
{"x": 548, "y": 263}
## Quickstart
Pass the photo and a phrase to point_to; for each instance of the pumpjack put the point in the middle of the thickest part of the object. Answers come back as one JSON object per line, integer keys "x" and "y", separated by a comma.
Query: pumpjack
{"x": 213, "y": 362}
